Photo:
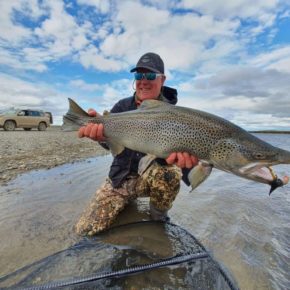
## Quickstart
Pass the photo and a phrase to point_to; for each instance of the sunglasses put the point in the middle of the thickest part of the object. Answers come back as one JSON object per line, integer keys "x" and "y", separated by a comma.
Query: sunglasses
{"x": 151, "y": 76}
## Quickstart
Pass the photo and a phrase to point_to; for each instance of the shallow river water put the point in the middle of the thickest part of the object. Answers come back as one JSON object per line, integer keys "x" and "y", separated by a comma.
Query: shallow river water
{"x": 245, "y": 229}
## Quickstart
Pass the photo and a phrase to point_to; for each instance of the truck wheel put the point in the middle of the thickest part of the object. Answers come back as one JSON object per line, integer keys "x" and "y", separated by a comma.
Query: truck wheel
{"x": 41, "y": 126}
{"x": 9, "y": 125}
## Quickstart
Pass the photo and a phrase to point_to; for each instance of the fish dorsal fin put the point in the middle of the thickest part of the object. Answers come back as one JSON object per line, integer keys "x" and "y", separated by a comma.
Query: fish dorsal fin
{"x": 150, "y": 104}
{"x": 74, "y": 108}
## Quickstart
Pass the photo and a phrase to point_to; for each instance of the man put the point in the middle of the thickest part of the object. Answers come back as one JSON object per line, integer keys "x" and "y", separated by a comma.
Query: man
{"x": 161, "y": 181}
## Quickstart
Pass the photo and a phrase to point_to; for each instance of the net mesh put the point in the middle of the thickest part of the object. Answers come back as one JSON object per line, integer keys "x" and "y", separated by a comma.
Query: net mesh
{"x": 134, "y": 256}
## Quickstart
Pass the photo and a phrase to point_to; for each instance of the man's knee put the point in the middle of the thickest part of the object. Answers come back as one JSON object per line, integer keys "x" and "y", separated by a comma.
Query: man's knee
{"x": 164, "y": 184}
{"x": 164, "y": 177}
{"x": 102, "y": 210}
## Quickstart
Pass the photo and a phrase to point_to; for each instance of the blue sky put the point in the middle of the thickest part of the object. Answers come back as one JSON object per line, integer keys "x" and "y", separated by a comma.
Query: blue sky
{"x": 230, "y": 58}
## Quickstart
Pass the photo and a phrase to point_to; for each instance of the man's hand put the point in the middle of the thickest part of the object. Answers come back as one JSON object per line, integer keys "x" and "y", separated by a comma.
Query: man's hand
{"x": 182, "y": 159}
{"x": 92, "y": 131}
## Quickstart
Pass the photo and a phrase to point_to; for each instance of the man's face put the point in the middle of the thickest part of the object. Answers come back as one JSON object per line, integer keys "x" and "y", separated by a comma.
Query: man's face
{"x": 146, "y": 89}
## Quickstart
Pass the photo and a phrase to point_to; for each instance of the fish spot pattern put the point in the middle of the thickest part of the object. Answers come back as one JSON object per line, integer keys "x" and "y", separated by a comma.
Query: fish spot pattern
{"x": 166, "y": 131}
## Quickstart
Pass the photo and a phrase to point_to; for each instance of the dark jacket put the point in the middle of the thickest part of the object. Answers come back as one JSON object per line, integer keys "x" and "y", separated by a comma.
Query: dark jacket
{"x": 127, "y": 162}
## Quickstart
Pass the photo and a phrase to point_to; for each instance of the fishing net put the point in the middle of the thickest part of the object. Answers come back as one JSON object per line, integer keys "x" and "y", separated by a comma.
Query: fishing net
{"x": 142, "y": 255}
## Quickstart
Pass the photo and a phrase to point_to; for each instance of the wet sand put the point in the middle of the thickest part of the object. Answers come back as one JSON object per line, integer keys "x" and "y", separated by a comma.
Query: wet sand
{"x": 22, "y": 151}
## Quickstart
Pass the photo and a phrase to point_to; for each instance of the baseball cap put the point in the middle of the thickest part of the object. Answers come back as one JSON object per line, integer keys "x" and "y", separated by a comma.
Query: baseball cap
{"x": 150, "y": 61}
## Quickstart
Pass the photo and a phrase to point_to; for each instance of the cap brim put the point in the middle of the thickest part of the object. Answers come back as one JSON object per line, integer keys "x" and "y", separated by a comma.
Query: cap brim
{"x": 146, "y": 67}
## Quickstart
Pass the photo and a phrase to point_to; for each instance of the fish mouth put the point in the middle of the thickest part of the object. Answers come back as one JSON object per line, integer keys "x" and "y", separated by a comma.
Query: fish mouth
{"x": 263, "y": 173}
{"x": 259, "y": 170}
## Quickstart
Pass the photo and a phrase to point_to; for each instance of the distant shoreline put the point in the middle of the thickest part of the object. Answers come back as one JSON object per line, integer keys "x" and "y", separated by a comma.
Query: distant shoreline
{"x": 270, "y": 132}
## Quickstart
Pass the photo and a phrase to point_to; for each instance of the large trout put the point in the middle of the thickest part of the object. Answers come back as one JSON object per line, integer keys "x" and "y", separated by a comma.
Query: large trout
{"x": 158, "y": 129}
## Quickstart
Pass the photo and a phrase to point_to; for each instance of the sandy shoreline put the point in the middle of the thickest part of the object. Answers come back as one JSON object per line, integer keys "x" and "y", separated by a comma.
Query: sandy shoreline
{"x": 22, "y": 151}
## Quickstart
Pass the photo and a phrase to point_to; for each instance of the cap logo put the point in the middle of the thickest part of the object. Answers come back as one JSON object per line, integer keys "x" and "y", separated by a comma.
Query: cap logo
{"x": 145, "y": 59}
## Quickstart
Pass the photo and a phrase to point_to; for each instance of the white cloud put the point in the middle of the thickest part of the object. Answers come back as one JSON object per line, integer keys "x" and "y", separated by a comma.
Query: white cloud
{"x": 261, "y": 121}
{"x": 282, "y": 65}
{"x": 275, "y": 59}
{"x": 180, "y": 39}
{"x": 261, "y": 96}
{"x": 18, "y": 61}
{"x": 92, "y": 58}
{"x": 18, "y": 93}
{"x": 256, "y": 17}
{"x": 102, "y": 6}
{"x": 231, "y": 9}
{"x": 184, "y": 40}
{"x": 246, "y": 113}
{"x": 101, "y": 97}
{"x": 10, "y": 31}
{"x": 285, "y": 14}
{"x": 60, "y": 33}
{"x": 115, "y": 91}
{"x": 80, "y": 84}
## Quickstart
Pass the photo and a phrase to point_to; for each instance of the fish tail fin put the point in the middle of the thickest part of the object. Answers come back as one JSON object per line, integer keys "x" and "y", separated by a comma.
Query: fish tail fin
{"x": 69, "y": 124}
{"x": 75, "y": 109}
{"x": 75, "y": 117}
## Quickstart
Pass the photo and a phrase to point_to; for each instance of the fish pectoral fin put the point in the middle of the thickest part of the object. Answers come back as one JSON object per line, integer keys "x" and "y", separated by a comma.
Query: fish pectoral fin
{"x": 115, "y": 148}
{"x": 199, "y": 174}
{"x": 145, "y": 162}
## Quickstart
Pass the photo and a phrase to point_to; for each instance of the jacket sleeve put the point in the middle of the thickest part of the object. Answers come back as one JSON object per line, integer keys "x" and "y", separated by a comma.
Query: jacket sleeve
{"x": 117, "y": 108}
{"x": 185, "y": 179}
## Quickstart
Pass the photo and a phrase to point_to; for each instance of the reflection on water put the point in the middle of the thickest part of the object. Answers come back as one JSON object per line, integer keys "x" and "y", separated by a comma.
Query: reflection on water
{"x": 245, "y": 228}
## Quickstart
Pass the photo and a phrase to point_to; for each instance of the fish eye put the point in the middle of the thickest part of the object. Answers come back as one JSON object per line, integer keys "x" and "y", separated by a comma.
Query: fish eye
{"x": 259, "y": 156}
